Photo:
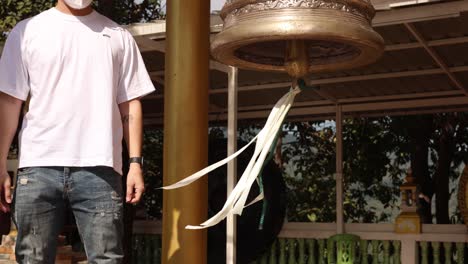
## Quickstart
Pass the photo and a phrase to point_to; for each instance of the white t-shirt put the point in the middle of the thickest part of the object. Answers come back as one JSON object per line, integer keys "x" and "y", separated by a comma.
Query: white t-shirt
{"x": 77, "y": 70}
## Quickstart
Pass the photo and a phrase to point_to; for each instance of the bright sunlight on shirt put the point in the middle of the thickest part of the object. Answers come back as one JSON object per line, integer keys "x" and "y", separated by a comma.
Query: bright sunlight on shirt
{"x": 77, "y": 71}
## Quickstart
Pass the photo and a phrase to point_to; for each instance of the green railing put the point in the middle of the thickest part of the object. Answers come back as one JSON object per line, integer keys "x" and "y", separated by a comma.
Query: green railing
{"x": 146, "y": 249}
{"x": 319, "y": 251}
{"x": 306, "y": 243}
{"x": 442, "y": 252}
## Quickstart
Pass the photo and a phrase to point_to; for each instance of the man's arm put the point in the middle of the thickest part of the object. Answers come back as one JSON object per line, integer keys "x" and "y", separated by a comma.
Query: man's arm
{"x": 132, "y": 120}
{"x": 10, "y": 109}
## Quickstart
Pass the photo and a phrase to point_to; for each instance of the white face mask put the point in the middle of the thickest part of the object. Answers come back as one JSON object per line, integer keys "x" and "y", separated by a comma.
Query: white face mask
{"x": 78, "y": 4}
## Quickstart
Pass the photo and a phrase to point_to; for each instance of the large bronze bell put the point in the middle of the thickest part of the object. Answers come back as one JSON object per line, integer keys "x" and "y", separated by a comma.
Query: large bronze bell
{"x": 297, "y": 36}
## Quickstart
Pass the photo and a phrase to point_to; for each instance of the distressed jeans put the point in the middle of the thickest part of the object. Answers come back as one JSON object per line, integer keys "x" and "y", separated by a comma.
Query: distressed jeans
{"x": 95, "y": 197}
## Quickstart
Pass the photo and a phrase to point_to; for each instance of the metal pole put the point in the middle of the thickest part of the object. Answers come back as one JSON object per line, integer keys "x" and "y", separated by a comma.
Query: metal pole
{"x": 231, "y": 224}
{"x": 339, "y": 171}
{"x": 186, "y": 129}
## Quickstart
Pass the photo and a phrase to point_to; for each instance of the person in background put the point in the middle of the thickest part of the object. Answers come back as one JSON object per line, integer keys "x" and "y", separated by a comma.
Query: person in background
{"x": 85, "y": 76}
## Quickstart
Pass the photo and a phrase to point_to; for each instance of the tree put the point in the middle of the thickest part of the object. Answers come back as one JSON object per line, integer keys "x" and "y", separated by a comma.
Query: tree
{"x": 449, "y": 151}
{"x": 378, "y": 153}
{"x": 309, "y": 158}
{"x": 370, "y": 155}
{"x": 13, "y": 11}
{"x": 129, "y": 11}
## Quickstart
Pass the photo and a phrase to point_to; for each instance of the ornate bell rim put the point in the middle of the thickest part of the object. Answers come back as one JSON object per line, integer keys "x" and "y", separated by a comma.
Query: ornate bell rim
{"x": 363, "y": 7}
{"x": 347, "y": 32}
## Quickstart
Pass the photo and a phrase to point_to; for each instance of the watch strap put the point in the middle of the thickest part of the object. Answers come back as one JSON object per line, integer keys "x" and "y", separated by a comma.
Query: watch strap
{"x": 138, "y": 160}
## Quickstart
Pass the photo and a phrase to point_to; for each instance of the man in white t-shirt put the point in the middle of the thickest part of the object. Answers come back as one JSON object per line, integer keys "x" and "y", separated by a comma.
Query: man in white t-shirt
{"x": 84, "y": 75}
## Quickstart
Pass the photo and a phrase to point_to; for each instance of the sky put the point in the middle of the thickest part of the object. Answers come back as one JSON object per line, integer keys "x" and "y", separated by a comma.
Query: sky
{"x": 217, "y": 4}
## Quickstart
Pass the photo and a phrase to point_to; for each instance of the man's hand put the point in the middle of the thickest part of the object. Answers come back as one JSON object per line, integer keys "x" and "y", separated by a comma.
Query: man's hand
{"x": 135, "y": 184}
{"x": 5, "y": 191}
{"x": 10, "y": 108}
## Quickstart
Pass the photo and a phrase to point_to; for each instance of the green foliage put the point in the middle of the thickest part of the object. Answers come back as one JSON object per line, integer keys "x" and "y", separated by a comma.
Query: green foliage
{"x": 13, "y": 11}
{"x": 310, "y": 166}
{"x": 377, "y": 155}
{"x": 128, "y": 11}
{"x": 372, "y": 170}
{"x": 153, "y": 153}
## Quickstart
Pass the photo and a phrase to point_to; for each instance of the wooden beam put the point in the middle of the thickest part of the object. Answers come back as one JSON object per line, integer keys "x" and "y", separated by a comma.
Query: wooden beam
{"x": 158, "y": 80}
{"x": 149, "y": 28}
{"x": 346, "y": 79}
{"x": 156, "y": 73}
{"x": 407, "y": 105}
{"x": 218, "y": 118}
{"x": 401, "y": 97}
{"x": 420, "y": 13}
{"x": 146, "y": 44}
{"x": 337, "y": 80}
{"x": 376, "y": 76}
{"x": 432, "y": 43}
{"x": 309, "y": 229}
{"x": 324, "y": 94}
{"x": 358, "y": 100}
{"x": 254, "y": 87}
{"x": 448, "y": 41}
{"x": 435, "y": 57}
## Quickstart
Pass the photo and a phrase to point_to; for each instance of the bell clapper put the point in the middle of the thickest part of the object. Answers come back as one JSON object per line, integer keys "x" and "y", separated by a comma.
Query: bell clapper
{"x": 296, "y": 58}
{"x": 296, "y": 62}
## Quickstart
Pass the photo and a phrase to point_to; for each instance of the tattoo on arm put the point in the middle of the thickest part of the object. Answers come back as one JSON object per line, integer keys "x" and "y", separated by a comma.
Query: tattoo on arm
{"x": 127, "y": 119}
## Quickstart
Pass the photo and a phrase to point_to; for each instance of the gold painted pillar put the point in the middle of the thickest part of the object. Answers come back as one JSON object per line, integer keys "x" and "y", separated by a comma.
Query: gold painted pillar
{"x": 185, "y": 129}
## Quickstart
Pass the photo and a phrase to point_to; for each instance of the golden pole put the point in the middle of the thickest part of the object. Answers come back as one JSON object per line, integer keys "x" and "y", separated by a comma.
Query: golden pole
{"x": 185, "y": 129}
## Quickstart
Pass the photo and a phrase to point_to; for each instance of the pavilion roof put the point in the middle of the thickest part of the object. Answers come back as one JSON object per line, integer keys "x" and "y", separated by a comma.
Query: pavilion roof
{"x": 424, "y": 70}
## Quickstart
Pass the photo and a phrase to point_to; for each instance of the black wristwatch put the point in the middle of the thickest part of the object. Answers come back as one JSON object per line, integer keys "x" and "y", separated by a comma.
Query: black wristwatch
{"x": 139, "y": 160}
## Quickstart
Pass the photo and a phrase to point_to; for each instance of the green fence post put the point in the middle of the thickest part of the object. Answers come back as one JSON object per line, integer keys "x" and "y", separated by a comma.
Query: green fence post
{"x": 137, "y": 252}
{"x": 273, "y": 253}
{"x": 292, "y": 251}
{"x": 375, "y": 251}
{"x": 424, "y": 252}
{"x": 396, "y": 252}
{"x": 321, "y": 243}
{"x": 364, "y": 245}
{"x": 331, "y": 251}
{"x": 386, "y": 247}
{"x": 157, "y": 249}
{"x": 282, "y": 253}
{"x": 436, "y": 252}
{"x": 148, "y": 249}
{"x": 460, "y": 253}
{"x": 264, "y": 259}
{"x": 134, "y": 249}
{"x": 301, "y": 259}
{"x": 311, "y": 259}
{"x": 448, "y": 252}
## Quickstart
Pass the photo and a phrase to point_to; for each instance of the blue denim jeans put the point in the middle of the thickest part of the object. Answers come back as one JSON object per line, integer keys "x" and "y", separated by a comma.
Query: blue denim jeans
{"x": 93, "y": 193}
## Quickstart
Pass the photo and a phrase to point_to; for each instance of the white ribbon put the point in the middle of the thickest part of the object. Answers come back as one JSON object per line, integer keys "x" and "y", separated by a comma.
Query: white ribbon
{"x": 236, "y": 201}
